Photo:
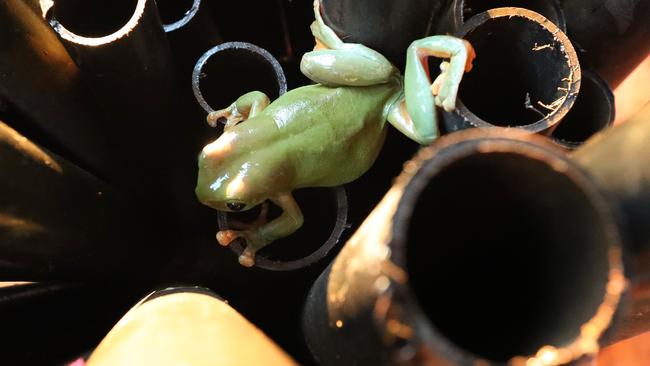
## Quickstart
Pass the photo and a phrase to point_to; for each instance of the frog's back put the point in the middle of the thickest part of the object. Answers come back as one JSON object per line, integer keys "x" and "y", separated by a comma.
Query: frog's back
{"x": 332, "y": 135}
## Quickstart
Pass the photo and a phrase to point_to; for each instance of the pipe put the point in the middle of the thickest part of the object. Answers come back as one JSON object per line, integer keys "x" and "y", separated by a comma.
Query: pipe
{"x": 469, "y": 260}
{"x": 57, "y": 221}
{"x": 592, "y": 112}
{"x": 50, "y": 323}
{"x": 620, "y": 160}
{"x": 459, "y": 11}
{"x": 186, "y": 326}
{"x": 612, "y": 36}
{"x": 529, "y": 82}
{"x": 38, "y": 77}
{"x": 386, "y": 26}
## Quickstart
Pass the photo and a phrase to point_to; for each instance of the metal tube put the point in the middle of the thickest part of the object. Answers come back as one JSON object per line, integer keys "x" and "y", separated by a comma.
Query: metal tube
{"x": 612, "y": 36}
{"x": 592, "y": 112}
{"x": 460, "y": 11}
{"x": 386, "y": 26}
{"x": 620, "y": 160}
{"x": 526, "y": 74}
{"x": 57, "y": 221}
{"x": 39, "y": 78}
{"x": 186, "y": 325}
{"x": 492, "y": 246}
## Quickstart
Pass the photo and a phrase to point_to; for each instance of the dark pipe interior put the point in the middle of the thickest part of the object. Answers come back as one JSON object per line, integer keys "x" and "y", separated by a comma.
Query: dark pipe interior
{"x": 506, "y": 255}
{"x": 93, "y": 18}
{"x": 591, "y": 112}
{"x": 543, "y": 7}
{"x": 507, "y": 70}
{"x": 172, "y": 11}
{"x": 231, "y": 73}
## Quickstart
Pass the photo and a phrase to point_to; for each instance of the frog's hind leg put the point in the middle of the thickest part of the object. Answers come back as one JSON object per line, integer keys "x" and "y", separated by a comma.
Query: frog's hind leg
{"x": 334, "y": 62}
{"x": 247, "y": 106}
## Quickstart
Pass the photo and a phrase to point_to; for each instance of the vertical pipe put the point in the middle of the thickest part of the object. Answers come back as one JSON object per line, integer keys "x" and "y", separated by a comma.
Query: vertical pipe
{"x": 592, "y": 112}
{"x": 469, "y": 259}
{"x": 526, "y": 74}
{"x": 186, "y": 326}
{"x": 620, "y": 160}
{"x": 386, "y": 26}
{"x": 612, "y": 36}
{"x": 57, "y": 221}
{"x": 39, "y": 78}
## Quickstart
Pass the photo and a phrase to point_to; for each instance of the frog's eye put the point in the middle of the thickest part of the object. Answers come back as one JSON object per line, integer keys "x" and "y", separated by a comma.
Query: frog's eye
{"x": 236, "y": 206}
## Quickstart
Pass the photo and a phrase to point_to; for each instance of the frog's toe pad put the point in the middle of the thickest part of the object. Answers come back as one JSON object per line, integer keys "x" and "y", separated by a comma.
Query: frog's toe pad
{"x": 247, "y": 258}
{"x": 225, "y": 237}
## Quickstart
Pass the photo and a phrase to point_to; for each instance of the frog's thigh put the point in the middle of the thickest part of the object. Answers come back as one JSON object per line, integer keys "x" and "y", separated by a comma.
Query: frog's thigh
{"x": 350, "y": 66}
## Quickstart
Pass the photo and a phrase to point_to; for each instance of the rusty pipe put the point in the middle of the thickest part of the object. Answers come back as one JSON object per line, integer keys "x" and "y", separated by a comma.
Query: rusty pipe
{"x": 526, "y": 74}
{"x": 469, "y": 260}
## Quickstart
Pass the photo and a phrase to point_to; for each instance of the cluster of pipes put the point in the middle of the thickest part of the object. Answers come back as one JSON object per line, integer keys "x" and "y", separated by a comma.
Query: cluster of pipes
{"x": 525, "y": 245}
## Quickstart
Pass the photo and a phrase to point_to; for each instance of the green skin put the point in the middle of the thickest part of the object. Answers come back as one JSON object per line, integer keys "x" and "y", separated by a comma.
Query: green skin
{"x": 322, "y": 135}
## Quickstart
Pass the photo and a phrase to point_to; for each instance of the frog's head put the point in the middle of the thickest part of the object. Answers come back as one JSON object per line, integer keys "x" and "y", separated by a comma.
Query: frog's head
{"x": 225, "y": 182}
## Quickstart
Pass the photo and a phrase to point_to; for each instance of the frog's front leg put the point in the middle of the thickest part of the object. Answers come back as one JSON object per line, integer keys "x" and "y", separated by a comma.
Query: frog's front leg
{"x": 334, "y": 62}
{"x": 257, "y": 238}
{"x": 245, "y": 107}
{"x": 415, "y": 114}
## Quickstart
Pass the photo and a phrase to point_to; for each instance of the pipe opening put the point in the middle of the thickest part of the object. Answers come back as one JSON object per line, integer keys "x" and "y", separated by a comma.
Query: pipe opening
{"x": 176, "y": 13}
{"x": 93, "y": 18}
{"x": 592, "y": 112}
{"x": 547, "y": 8}
{"x": 522, "y": 73}
{"x": 325, "y": 215}
{"x": 506, "y": 254}
{"x": 233, "y": 69}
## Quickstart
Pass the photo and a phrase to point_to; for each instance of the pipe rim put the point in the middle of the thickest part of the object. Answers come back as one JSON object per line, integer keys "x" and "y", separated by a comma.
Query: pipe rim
{"x": 340, "y": 225}
{"x": 48, "y": 5}
{"x": 551, "y": 119}
{"x": 415, "y": 177}
{"x": 459, "y": 14}
{"x": 189, "y": 15}
{"x": 255, "y": 50}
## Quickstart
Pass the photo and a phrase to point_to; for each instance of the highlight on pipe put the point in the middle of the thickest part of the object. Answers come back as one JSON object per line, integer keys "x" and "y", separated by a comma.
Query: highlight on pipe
{"x": 48, "y": 8}
{"x": 563, "y": 343}
{"x": 186, "y": 18}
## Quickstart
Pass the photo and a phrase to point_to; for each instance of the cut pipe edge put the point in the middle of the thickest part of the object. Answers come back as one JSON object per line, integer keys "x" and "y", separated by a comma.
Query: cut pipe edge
{"x": 47, "y": 11}
{"x": 463, "y": 117}
{"x": 415, "y": 178}
{"x": 321, "y": 252}
{"x": 458, "y": 10}
{"x": 248, "y": 50}
{"x": 185, "y": 19}
{"x": 595, "y": 95}
{"x": 370, "y": 276}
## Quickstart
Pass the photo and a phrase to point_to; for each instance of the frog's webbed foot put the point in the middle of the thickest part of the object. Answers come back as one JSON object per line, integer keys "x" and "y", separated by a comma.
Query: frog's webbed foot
{"x": 254, "y": 242}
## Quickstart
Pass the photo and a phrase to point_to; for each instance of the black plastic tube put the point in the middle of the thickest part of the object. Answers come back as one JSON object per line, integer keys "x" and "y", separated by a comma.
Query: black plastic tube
{"x": 460, "y": 11}
{"x": 593, "y": 111}
{"x": 38, "y": 77}
{"x": 526, "y": 73}
{"x": 386, "y": 26}
{"x": 612, "y": 36}
{"x": 620, "y": 160}
{"x": 57, "y": 221}
{"x": 491, "y": 247}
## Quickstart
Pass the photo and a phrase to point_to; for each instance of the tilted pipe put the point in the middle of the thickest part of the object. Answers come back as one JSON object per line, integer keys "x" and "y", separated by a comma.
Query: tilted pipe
{"x": 186, "y": 326}
{"x": 526, "y": 73}
{"x": 58, "y": 221}
{"x": 620, "y": 160}
{"x": 491, "y": 247}
{"x": 39, "y": 78}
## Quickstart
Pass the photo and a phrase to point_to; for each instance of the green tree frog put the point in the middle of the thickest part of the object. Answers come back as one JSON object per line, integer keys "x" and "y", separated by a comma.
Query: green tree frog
{"x": 325, "y": 134}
